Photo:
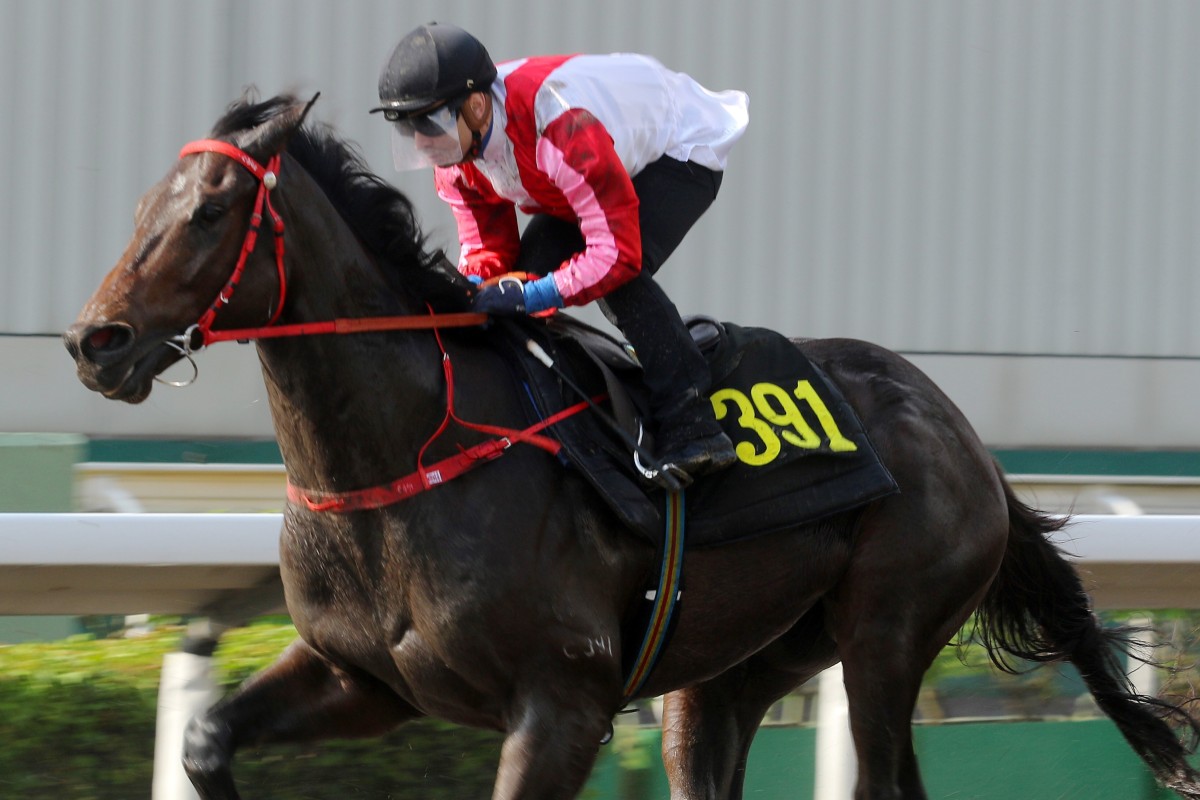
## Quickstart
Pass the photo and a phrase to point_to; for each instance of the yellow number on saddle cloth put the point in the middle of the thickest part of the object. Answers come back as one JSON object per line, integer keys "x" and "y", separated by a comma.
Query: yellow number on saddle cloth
{"x": 746, "y": 451}
{"x": 770, "y": 407}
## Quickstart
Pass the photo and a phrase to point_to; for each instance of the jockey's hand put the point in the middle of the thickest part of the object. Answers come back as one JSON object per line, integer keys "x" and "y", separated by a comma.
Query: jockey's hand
{"x": 510, "y": 297}
{"x": 505, "y": 299}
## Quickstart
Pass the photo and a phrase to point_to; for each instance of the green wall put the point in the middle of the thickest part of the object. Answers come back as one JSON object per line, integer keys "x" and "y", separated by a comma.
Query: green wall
{"x": 1075, "y": 760}
{"x": 37, "y": 475}
{"x": 37, "y": 470}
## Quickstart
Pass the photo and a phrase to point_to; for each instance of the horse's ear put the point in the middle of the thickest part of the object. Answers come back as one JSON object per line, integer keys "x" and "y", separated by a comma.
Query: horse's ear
{"x": 272, "y": 136}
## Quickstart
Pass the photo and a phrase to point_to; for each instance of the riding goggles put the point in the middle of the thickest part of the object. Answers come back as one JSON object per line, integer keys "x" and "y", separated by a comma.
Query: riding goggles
{"x": 425, "y": 140}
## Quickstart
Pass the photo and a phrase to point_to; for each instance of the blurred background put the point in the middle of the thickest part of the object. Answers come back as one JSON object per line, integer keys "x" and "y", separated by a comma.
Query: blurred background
{"x": 1006, "y": 191}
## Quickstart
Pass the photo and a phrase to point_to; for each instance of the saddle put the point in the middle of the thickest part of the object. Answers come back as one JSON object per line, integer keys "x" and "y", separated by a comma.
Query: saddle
{"x": 803, "y": 454}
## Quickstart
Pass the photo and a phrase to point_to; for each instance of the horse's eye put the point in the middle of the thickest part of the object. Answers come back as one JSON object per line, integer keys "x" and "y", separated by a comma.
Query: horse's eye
{"x": 208, "y": 213}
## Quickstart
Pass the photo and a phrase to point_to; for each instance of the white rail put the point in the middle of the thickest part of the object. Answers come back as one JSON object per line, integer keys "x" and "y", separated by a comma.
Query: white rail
{"x": 222, "y": 565}
{"x": 186, "y": 563}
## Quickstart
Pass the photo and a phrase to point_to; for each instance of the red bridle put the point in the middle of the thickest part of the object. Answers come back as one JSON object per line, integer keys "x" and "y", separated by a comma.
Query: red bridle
{"x": 268, "y": 178}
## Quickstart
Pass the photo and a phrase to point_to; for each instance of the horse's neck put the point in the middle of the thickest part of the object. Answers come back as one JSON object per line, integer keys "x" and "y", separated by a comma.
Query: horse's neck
{"x": 348, "y": 409}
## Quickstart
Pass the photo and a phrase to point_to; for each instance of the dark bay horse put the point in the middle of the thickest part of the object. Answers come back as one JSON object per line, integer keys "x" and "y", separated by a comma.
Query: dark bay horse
{"x": 496, "y": 599}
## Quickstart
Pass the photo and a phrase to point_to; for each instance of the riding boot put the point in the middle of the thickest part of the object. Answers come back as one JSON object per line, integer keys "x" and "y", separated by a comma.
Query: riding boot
{"x": 687, "y": 437}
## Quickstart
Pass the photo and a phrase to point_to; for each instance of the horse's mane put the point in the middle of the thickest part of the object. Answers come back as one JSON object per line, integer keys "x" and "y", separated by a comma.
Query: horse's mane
{"x": 380, "y": 215}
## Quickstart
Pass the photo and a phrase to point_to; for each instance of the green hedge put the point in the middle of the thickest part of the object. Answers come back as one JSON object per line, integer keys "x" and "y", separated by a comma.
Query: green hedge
{"x": 77, "y": 723}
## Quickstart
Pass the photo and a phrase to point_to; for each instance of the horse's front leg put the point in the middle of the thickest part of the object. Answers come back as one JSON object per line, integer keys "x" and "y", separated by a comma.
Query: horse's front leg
{"x": 550, "y": 752}
{"x": 561, "y": 714}
{"x": 300, "y": 697}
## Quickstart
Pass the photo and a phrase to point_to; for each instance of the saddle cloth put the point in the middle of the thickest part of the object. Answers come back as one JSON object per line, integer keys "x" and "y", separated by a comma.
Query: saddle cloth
{"x": 802, "y": 452}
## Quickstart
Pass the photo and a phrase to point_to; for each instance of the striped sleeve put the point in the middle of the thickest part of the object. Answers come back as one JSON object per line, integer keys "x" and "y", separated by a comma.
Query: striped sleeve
{"x": 487, "y": 223}
{"x": 576, "y": 153}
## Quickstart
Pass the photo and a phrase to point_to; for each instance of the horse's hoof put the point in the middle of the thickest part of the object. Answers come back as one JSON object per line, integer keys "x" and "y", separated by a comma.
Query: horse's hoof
{"x": 206, "y": 758}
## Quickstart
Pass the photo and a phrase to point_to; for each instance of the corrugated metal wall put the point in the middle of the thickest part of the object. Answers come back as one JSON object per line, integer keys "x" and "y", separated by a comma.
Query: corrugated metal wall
{"x": 954, "y": 175}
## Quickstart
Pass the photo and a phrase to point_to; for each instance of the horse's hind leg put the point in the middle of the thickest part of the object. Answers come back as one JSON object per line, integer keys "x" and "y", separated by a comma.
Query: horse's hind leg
{"x": 708, "y": 728}
{"x": 915, "y": 578}
{"x": 300, "y": 697}
{"x": 884, "y": 695}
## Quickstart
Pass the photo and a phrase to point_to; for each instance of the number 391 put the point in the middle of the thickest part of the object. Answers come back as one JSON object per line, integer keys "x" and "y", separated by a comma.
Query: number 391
{"x": 770, "y": 407}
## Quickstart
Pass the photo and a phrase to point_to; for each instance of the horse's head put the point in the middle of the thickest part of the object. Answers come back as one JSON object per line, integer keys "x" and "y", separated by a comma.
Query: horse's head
{"x": 189, "y": 231}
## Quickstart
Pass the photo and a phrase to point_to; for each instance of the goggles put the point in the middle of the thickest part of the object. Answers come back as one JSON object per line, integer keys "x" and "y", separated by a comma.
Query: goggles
{"x": 426, "y": 140}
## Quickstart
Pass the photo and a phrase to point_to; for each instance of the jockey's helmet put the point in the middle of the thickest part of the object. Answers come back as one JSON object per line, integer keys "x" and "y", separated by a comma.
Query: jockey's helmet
{"x": 434, "y": 65}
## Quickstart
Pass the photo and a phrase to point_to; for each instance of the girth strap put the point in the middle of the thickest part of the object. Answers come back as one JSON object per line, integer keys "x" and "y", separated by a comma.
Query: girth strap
{"x": 666, "y": 597}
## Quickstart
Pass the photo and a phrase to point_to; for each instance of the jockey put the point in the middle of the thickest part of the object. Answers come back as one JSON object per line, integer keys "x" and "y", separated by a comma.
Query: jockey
{"x": 614, "y": 156}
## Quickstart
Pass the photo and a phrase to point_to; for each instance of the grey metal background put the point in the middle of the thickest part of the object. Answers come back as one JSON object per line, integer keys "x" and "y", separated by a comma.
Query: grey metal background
{"x": 989, "y": 177}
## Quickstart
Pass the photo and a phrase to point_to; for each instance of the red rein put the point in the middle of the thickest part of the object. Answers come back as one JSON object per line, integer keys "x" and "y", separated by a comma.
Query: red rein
{"x": 424, "y": 477}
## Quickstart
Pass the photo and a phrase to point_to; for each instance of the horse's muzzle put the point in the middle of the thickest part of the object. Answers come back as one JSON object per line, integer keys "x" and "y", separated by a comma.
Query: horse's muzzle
{"x": 111, "y": 360}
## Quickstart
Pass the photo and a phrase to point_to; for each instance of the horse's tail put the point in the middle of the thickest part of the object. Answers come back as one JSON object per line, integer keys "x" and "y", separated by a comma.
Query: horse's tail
{"x": 1037, "y": 609}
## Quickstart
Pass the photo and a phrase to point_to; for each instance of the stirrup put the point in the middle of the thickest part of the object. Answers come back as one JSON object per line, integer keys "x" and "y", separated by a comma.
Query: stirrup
{"x": 668, "y": 476}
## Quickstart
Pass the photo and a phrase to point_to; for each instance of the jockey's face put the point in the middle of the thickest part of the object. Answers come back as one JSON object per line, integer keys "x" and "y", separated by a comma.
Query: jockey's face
{"x": 428, "y": 140}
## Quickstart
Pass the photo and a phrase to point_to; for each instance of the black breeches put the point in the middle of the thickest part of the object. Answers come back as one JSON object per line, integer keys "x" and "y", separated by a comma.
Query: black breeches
{"x": 672, "y": 196}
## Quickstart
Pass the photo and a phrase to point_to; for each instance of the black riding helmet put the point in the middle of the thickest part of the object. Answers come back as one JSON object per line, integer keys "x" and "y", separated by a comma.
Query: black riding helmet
{"x": 432, "y": 65}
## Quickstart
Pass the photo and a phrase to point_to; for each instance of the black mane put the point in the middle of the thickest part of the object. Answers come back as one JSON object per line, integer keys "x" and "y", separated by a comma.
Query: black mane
{"x": 380, "y": 215}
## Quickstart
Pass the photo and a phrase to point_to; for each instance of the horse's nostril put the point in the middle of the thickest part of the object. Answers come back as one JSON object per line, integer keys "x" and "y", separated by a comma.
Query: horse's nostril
{"x": 107, "y": 340}
{"x": 100, "y": 339}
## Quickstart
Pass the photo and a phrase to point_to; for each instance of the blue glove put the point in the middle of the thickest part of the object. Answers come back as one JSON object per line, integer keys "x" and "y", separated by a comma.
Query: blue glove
{"x": 510, "y": 298}
{"x": 505, "y": 299}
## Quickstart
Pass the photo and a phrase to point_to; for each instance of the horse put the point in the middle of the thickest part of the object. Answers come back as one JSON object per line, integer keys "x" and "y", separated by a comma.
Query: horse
{"x": 497, "y": 599}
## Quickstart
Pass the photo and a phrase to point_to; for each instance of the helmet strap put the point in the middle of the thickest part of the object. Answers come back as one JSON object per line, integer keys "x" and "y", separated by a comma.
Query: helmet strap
{"x": 476, "y": 146}
{"x": 479, "y": 140}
